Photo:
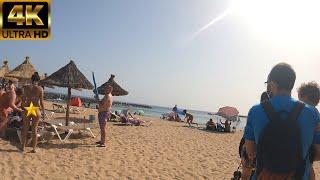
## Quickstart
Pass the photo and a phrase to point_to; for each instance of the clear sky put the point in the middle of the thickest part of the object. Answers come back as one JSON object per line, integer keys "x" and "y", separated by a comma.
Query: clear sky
{"x": 155, "y": 52}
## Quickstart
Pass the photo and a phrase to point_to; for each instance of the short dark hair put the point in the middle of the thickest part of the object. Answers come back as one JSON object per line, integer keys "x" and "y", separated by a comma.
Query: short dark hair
{"x": 283, "y": 75}
{"x": 35, "y": 77}
{"x": 311, "y": 91}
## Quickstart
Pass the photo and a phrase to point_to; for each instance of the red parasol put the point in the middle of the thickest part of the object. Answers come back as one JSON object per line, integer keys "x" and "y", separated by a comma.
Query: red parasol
{"x": 227, "y": 112}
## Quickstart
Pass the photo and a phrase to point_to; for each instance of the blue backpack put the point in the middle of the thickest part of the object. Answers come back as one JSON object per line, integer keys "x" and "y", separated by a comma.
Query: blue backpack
{"x": 279, "y": 150}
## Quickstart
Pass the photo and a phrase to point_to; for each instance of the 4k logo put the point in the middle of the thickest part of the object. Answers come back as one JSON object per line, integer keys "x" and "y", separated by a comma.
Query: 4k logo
{"x": 25, "y": 20}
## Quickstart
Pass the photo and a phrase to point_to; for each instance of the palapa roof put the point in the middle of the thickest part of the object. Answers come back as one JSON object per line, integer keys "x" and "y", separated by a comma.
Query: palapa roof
{"x": 23, "y": 71}
{"x": 117, "y": 89}
{"x": 4, "y": 69}
{"x": 68, "y": 76}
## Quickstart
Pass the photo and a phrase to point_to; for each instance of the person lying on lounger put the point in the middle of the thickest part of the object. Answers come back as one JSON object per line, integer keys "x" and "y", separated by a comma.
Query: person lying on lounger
{"x": 128, "y": 118}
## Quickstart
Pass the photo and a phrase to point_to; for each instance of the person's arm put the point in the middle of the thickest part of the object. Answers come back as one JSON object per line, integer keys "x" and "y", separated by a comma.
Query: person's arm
{"x": 249, "y": 137}
{"x": 251, "y": 150}
{"x": 41, "y": 102}
{"x": 12, "y": 100}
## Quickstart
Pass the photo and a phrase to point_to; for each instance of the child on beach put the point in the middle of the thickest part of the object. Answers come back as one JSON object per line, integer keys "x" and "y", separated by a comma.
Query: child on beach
{"x": 309, "y": 93}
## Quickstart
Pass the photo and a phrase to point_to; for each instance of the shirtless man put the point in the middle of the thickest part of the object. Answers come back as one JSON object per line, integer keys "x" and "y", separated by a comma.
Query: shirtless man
{"x": 104, "y": 114}
{"x": 7, "y": 100}
{"x": 32, "y": 93}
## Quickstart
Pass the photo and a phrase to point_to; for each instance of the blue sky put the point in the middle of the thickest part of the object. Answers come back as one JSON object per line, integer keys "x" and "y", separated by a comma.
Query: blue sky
{"x": 148, "y": 46}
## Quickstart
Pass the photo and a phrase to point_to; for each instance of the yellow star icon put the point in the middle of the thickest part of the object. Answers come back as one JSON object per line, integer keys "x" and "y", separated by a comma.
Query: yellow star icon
{"x": 31, "y": 110}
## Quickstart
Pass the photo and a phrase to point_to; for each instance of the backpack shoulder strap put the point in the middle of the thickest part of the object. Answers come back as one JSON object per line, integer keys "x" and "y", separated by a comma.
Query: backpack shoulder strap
{"x": 296, "y": 111}
{"x": 269, "y": 110}
{"x": 294, "y": 115}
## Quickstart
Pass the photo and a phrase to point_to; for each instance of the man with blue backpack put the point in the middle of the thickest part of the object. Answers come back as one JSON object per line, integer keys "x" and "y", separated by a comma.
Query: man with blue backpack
{"x": 280, "y": 132}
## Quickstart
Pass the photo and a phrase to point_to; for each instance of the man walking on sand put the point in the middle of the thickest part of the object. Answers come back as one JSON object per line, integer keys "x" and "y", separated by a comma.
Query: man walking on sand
{"x": 104, "y": 113}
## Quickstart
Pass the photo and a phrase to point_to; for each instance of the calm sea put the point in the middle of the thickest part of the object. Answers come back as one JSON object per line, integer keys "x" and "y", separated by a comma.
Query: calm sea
{"x": 200, "y": 117}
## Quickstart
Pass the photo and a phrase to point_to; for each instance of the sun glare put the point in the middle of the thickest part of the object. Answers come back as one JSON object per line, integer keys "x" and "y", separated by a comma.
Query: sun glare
{"x": 282, "y": 20}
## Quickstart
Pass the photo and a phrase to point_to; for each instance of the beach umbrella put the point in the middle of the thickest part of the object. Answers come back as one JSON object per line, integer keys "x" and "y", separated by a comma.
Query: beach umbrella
{"x": 117, "y": 89}
{"x": 23, "y": 72}
{"x": 227, "y": 112}
{"x": 140, "y": 112}
{"x": 4, "y": 69}
{"x": 69, "y": 77}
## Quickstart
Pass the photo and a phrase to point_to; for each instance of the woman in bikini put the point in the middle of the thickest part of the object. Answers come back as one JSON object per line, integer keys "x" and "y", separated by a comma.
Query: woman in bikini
{"x": 32, "y": 93}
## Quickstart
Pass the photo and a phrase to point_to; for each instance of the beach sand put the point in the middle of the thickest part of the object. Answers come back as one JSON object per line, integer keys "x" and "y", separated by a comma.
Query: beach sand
{"x": 165, "y": 150}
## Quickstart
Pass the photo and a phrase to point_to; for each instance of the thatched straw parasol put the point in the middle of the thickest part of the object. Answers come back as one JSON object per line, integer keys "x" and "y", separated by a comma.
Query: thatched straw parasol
{"x": 22, "y": 72}
{"x": 69, "y": 77}
{"x": 4, "y": 69}
{"x": 117, "y": 89}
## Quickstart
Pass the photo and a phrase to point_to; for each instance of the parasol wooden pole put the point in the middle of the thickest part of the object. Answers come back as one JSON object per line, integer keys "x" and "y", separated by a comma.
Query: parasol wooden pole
{"x": 68, "y": 106}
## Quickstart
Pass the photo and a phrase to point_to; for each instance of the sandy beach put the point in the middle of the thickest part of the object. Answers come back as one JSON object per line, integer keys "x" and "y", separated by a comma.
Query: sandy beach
{"x": 165, "y": 150}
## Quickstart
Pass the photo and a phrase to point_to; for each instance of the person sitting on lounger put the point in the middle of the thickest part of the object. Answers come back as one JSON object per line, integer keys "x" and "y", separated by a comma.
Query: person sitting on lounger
{"x": 227, "y": 125}
{"x": 211, "y": 126}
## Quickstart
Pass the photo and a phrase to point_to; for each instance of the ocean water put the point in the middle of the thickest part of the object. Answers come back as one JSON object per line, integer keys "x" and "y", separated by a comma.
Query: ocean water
{"x": 200, "y": 117}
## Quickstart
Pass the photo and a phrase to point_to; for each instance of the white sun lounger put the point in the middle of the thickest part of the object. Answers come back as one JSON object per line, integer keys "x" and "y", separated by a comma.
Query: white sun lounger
{"x": 39, "y": 134}
{"x": 70, "y": 129}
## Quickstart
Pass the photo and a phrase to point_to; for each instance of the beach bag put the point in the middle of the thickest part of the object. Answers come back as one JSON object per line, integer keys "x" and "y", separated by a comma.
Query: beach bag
{"x": 279, "y": 150}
